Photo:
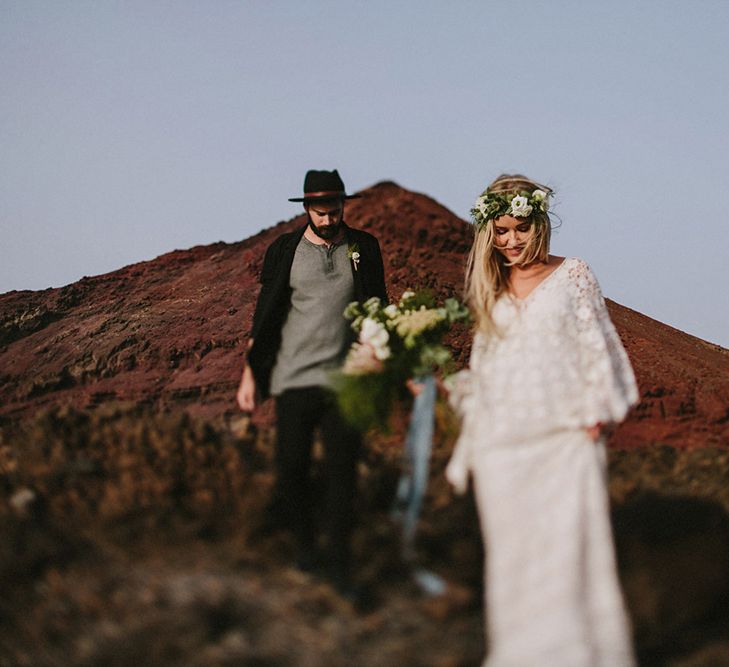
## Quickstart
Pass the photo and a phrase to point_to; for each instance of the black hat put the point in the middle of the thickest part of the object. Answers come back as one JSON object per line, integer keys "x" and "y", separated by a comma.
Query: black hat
{"x": 323, "y": 186}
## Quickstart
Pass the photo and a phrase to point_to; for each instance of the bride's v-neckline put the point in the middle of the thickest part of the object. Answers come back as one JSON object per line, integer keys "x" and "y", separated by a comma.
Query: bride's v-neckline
{"x": 543, "y": 281}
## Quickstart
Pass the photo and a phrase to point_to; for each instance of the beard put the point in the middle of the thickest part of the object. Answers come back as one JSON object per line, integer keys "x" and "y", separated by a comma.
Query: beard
{"x": 326, "y": 232}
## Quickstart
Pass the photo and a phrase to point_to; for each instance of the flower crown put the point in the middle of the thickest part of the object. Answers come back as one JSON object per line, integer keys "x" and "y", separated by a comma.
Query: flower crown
{"x": 492, "y": 205}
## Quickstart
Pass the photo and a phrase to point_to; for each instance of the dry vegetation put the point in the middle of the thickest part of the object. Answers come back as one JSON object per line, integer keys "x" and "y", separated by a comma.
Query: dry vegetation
{"x": 128, "y": 538}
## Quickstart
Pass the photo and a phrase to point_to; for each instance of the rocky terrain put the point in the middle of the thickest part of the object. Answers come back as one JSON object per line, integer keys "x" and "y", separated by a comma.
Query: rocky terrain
{"x": 170, "y": 332}
{"x": 130, "y": 486}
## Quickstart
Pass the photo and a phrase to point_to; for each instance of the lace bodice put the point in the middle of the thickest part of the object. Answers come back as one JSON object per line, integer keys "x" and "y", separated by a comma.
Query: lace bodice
{"x": 557, "y": 364}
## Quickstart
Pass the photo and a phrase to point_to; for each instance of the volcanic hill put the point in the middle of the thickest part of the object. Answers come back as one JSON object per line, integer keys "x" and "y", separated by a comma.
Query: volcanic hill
{"x": 170, "y": 332}
{"x": 131, "y": 492}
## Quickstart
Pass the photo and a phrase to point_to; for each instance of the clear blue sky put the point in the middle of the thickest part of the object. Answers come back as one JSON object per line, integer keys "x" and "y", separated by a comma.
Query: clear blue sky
{"x": 129, "y": 129}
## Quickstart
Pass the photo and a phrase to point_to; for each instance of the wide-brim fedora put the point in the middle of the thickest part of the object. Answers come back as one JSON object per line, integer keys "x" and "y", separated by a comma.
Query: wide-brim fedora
{"x": 323, "y": 186}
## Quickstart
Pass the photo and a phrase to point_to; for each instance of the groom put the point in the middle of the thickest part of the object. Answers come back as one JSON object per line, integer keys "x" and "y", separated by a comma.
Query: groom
{"x": 299, "y": 336}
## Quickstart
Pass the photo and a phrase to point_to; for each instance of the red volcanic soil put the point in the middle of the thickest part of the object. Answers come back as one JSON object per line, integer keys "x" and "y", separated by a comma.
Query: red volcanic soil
{"x": 171, "y": 332}
{"x": 128, "y": 521}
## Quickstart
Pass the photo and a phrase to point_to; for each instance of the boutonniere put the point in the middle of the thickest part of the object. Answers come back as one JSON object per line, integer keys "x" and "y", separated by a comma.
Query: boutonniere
{"x": 353, "y": 254}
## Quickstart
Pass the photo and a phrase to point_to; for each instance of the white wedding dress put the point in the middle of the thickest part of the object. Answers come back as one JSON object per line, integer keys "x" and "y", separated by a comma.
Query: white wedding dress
{"x": 551, "y": 587}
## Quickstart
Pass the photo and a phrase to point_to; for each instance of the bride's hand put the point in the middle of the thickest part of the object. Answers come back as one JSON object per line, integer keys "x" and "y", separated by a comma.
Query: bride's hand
{"x": 414, "y": 387}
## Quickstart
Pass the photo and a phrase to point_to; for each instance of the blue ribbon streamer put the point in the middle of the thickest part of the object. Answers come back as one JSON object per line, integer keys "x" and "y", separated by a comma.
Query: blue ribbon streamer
{"x": 418, "y": 445}
{"x": 414, "y": 479}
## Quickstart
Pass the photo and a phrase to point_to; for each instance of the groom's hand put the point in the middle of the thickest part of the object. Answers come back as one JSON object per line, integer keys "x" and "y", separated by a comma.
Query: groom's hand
{"x": 246, "y": 395}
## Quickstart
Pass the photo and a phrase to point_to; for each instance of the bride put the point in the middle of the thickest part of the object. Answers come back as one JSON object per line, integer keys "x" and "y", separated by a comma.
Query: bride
{"x": 548, "y": 375}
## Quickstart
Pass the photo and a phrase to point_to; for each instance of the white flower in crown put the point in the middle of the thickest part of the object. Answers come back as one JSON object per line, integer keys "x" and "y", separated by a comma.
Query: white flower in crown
{"x": 481, "y": 206}
{"x": 375, "y": 335}
{"x": 520, "y": 207}
{"x": 391, "y": 311}
{"x": 540, "y": 196}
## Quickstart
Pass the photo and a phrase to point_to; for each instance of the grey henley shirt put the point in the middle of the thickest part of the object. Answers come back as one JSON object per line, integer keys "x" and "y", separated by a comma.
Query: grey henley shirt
{"x": 314, "y": 336}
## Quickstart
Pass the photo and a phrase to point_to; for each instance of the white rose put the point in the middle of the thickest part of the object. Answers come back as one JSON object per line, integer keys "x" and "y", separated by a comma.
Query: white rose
{"x": 391, "y": 310}
{"x": 382, "y": 352}
{"x": 520, "y": 207}
{"x": 375, "y": 335}
{"x": 361, "y": 360}
{"x": 540, "y": 196}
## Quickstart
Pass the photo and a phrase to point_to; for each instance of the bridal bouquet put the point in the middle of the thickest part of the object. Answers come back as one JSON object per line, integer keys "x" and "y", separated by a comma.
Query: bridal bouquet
{"x": 396, "y": 342}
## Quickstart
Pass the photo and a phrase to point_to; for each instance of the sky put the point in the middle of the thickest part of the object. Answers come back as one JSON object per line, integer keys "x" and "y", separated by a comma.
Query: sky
{"x": 132, "y": 128}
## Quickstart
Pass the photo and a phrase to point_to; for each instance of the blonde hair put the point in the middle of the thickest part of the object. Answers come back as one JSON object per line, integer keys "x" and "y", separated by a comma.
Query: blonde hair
{"x": 487, "y": 271}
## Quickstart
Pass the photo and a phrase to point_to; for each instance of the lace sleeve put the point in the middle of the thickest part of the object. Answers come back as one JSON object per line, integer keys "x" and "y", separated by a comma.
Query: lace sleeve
{"x": 461, "y": 397}
{"x": 609, "y": 383}
{"x": 461, "y": 384}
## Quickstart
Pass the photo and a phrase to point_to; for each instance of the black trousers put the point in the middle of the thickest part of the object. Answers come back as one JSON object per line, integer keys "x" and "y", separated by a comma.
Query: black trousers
{"x": 299, "y": 413}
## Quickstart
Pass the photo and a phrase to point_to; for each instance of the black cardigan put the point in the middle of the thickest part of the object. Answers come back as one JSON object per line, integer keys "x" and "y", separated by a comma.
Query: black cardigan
{"x": 274, "y": 298}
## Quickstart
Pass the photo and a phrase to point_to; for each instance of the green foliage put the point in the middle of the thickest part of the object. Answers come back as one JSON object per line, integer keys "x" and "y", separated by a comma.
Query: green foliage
{"x": 374, "y": 410}
{"x": 492, "y": 205}
{"x": 397, "y": 342}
